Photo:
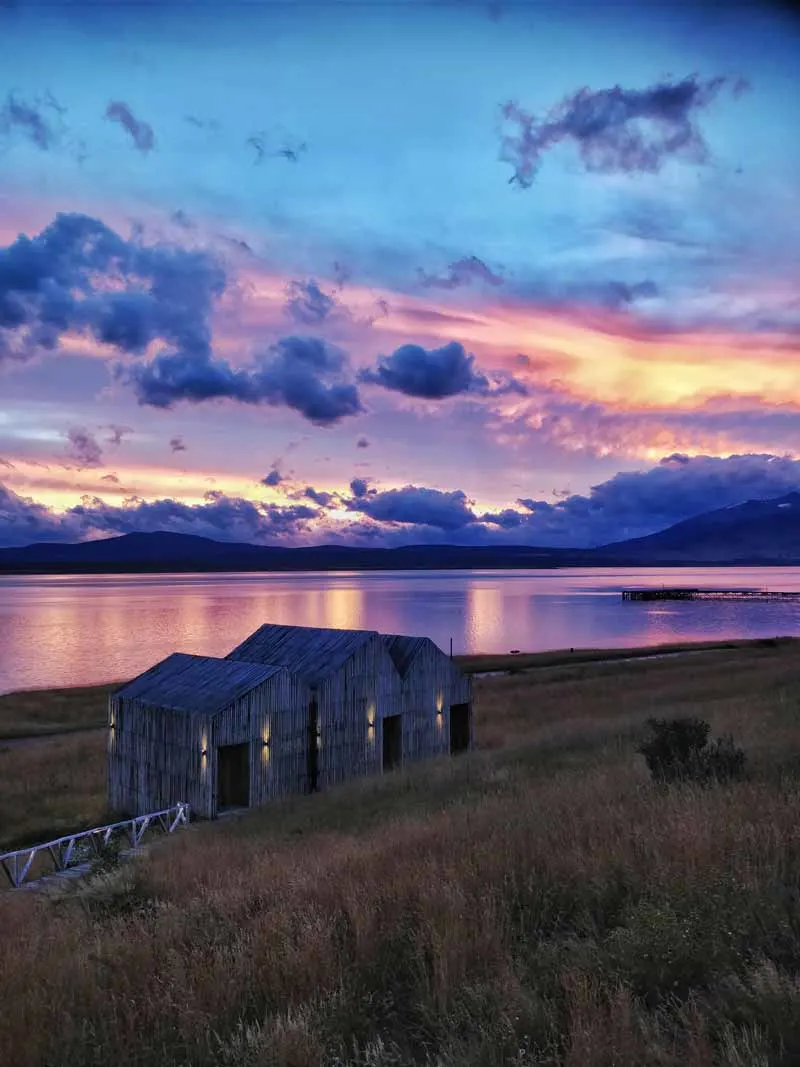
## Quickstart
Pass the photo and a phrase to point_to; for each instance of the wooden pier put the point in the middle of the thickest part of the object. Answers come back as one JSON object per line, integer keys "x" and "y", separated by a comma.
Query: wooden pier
{"x": 708, "y": 594}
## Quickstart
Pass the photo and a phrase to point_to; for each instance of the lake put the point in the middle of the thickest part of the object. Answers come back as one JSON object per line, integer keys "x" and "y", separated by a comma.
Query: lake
{"x": 80, "y": 630}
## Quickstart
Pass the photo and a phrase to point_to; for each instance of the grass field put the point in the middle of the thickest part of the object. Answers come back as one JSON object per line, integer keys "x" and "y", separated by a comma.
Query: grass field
{"x": 37, "y": 712}
{"x": 540, "y": 901}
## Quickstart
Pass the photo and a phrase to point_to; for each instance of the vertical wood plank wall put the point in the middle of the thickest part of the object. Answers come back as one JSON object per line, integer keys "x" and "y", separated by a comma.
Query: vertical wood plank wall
{"x": 155, "y": 754}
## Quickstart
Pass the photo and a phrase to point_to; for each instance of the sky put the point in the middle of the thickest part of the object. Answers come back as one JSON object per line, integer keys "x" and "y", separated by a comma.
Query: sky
{"x": 392, "y": 272}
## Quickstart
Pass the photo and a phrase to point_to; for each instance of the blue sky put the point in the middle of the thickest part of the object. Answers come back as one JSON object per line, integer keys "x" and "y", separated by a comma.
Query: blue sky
{"x": 607, "y": 313}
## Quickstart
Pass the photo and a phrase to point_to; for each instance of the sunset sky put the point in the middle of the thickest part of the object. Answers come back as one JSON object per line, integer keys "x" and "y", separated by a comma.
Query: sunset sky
{"x": 393, "y": 272}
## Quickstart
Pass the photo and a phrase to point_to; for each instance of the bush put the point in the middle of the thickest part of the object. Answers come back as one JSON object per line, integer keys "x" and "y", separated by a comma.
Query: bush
{"x": 679, "y": 750}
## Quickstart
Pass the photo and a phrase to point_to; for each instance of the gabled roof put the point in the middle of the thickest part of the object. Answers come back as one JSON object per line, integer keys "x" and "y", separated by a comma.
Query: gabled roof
{"x": 198, "y": 685}
{"x": 403, "y": 649}
{"x": 311, "y": 652}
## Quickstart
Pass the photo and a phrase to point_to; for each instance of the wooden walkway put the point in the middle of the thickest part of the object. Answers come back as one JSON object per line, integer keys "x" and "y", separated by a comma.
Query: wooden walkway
{"x": 708, "y": 594}
{"x": 74, "y": 855}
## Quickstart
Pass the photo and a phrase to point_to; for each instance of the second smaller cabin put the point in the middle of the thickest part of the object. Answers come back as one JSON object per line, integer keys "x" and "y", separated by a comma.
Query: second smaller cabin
{"x": 217, "y": 734}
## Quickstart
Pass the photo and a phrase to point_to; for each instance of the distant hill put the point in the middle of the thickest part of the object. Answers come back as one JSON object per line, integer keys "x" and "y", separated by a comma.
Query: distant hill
{"x": 170, "y": 552}
{"x": 756, "y": 532}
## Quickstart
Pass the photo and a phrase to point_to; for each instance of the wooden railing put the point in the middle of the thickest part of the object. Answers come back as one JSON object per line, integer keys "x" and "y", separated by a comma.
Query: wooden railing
{"x": 80, "y": 849}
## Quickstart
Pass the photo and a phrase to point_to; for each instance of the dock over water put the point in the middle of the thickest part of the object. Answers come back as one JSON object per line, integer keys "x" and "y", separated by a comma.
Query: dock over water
{"x": 709, "y": 594}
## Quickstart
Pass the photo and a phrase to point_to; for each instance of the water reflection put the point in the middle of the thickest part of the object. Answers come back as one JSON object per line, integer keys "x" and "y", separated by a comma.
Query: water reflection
{"x": 80, "y": 630}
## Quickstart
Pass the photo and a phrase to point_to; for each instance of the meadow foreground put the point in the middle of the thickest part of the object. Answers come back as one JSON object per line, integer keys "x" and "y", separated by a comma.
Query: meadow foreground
{"x": 540, "y": 901}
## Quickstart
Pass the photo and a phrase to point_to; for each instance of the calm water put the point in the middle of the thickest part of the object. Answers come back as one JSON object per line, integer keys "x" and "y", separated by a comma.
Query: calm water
{"x": 59, "y": 631}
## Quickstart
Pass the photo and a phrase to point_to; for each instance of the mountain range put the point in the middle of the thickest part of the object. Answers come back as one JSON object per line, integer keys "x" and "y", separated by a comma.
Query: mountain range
{"x": 757, "y": 532}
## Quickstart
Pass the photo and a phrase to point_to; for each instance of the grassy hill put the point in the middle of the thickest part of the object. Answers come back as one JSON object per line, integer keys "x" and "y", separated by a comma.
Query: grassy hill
{"x": 540, "y": 901}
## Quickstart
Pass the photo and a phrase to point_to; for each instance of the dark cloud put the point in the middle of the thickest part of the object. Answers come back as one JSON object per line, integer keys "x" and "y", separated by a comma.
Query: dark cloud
{"x": 636, "y": 503}
{"x": 141, "y": 133}
{"x": 83, "y": 447}
{"x": 29, "y": 119}
{"x": 324, "y": 500}
{"x": 630, "y": 504}
{"x": 362, "y": 442}
{"x": 416, "y": 506}
{"x": 182, "y": 219}
{"x": 303, "y": 373}
{"x": 112, "y": 478}
{"x": 116, "y": 434}
{"x": 58, "y": 281}
{"x": 307, "y": 304}
{"x": 461, "y": 272}
{"x": 259, "y": 142}
{"x": 176, "y": 444}
{"x": 616, "y": 130}
{"x": 273, "y": 478}
{"x": 224, "y": 518}
{"x": 436, "y": 373}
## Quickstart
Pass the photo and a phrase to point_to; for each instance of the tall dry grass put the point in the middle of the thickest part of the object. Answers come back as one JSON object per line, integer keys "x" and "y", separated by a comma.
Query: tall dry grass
{"x": 537, "y": 902}
{"x": 51, "y": 787}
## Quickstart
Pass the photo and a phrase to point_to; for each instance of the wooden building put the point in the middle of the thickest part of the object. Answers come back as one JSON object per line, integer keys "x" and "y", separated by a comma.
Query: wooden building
{"x": 355, "y": 690}
{"x": 436, "y": 698}
{"x": 215, "y": 733}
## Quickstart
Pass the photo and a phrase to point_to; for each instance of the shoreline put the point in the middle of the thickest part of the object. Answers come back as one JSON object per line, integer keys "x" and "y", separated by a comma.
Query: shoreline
{"x": 84, "y": 706}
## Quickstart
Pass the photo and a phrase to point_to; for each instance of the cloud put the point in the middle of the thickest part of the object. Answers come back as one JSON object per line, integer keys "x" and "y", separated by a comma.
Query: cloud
{"x": 630, "y": 504}
{"x": 616, "y": 130}
{"x": 82, "y": 446}
{"x": 141, "y": 133}
{"x": 182, "y": 219}
{"x": 273, "y": 478}
{"x": 435, "y": 374}
{"x": 78, "y": 275}
{"x": 461, "y": 272}
{"x": 117, "y": 433}
{"x": 176, "y": 444}
{"x": 324, "y": 500}
{"x": 636, "y": 503}
{"x": 303, "y": 373}
{"x": 221, "y": 517}
{"x": 362, "y": 442}
{"x": 112, "y": 478}
{"x": 307, "y": 304}
{"x": 415, "y": 506}
{"x": 29, "y": 119}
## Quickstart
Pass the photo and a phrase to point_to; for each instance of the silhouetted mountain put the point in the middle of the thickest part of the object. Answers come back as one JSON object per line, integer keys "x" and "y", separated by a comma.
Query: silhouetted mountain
{"x": 756, "y": 532}
{"x": 166, "y": 552}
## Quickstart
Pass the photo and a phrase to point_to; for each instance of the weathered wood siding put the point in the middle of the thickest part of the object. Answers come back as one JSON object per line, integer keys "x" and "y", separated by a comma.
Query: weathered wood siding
{"x": 156, "y": 754}
{"x": 154, "y": 757}
{"x": 432, "y": 685}
{"x": 366, "y": 689}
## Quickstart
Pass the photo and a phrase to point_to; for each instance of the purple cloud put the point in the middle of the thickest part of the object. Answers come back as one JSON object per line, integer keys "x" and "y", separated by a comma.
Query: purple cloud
{"x": 49, "y": 286}
{"x": 176, "y": 444}
{"x": 141, "y": 133}
{"x": 303, "y": 373}
{"x": 83, "y": 447}
{"x": 616, "y": 130}
{"x": 415, "y": 506}
{"x": 29, "y": 119}
{"x": 436, "y": 373}
{"x": 461, "y": 272}
{"x": 307, "y": 304}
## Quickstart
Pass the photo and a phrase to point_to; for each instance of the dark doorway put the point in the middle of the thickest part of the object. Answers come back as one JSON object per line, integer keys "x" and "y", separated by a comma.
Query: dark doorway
{"x": 459, "y": 728}
{"x": 233, "y": 776}
{"x": 392, "y": 742}
{"x": 312, "y": 748}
